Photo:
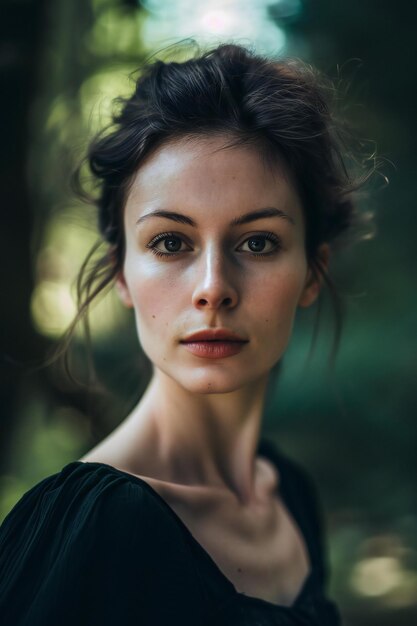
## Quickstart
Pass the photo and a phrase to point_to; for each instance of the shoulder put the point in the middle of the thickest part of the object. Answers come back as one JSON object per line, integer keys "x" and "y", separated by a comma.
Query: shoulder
{"x": 91, "y": 544}
{"x": 293, "y": 475}
{"x": 88, "y": 521}
{"x": 302, "y": 497}
{"x": 86, "y": 501}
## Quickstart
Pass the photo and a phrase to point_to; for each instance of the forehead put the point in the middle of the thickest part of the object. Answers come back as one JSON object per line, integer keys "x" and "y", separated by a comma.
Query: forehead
{"x": 208, "y": 177}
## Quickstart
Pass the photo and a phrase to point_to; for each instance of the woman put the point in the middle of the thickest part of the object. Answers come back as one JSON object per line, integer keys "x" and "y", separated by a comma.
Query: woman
{"x": 222, "y": 189}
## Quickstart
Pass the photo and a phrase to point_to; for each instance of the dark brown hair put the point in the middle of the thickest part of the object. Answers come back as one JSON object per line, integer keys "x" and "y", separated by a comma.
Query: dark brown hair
{"x": 283, "y": 108}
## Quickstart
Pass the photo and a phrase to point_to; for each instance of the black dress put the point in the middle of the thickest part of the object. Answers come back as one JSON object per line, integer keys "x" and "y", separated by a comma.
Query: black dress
{"x": 93, "y": 545}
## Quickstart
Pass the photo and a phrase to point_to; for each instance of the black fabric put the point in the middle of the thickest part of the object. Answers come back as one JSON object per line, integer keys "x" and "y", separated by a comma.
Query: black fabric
{"x": 94, "y": 545}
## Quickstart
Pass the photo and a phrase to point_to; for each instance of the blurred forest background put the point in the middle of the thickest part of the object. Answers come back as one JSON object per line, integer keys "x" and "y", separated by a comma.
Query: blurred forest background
{"x": 353, "y": 427}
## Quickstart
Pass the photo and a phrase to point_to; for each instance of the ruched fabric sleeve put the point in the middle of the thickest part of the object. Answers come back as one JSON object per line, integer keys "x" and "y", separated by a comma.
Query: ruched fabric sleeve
{"x": 89, "y": 546}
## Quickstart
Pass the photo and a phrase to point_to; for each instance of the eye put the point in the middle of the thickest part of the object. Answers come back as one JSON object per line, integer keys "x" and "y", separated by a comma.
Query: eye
{"x": 262, "y": 244}
{"x": 170, "y": 241}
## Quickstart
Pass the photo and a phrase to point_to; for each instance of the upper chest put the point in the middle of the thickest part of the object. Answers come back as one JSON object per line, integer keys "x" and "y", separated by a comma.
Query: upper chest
{"x": 260, "y": 549}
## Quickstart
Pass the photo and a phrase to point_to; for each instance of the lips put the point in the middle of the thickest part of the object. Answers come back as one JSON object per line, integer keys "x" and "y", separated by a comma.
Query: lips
{"x": 214, "y": 334}
{"x": 214, "y": 343}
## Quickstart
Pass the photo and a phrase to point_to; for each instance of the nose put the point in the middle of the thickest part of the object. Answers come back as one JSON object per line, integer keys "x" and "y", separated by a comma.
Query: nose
{"x": 214, "y": 285}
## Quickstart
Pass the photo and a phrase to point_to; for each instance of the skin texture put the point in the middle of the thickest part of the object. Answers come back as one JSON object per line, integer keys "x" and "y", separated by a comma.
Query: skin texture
{"x": 193, "y": 435}
{"x": 172, "y": 296}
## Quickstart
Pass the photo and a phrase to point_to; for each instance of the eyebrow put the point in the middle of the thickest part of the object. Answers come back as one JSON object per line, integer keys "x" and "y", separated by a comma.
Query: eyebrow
{"x": 237, "y": 221}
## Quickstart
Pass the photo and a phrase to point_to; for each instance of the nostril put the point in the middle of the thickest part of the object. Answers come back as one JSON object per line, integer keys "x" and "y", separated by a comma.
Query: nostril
{"x": 226, "y": 301}
{"x": 216, "y": 302}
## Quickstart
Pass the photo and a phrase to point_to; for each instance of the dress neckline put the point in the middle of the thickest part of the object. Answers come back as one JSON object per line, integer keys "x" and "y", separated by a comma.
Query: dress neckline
{"x": 265, "y": 448}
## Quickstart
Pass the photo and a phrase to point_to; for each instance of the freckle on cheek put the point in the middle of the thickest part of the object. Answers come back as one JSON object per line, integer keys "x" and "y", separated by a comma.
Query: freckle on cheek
{"x": 153, "y": 316}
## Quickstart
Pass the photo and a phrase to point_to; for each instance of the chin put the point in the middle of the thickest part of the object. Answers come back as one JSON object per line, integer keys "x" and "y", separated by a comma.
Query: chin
{"x": 201, "y": 381}
{"x": 209, "y": 384}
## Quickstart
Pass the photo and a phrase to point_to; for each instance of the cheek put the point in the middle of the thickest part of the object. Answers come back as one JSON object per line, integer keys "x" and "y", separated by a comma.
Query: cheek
{"x": 154, "y": 293}
{"x": 275, "y": 302}
{"x": 280, "y": 291}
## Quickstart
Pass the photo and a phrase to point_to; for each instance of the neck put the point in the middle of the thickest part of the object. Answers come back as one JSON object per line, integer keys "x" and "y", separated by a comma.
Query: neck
{"x": 197, "y": 440}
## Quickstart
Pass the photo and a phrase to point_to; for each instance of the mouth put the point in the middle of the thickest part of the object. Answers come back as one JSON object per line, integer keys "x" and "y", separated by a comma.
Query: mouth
{"x": 213, "y": 336}
{"x": 214, "y": 341}
{"x": 214, "y": 348}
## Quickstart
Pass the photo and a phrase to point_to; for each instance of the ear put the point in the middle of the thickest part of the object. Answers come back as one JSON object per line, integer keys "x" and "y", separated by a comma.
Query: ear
{"x": 123, "y": 290}
{"x": 314, "y": 281}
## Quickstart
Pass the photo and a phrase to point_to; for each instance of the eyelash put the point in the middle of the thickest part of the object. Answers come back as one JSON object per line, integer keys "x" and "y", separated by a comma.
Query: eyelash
{"x": 269, "y": 236}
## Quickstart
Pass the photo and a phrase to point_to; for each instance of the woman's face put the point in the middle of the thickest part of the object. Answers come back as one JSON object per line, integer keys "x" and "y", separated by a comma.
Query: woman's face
{"x": 202, "y": 269}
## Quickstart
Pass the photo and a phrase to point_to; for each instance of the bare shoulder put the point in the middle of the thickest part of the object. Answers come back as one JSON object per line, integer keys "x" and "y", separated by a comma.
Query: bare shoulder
{"x": 267, "y": 476}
